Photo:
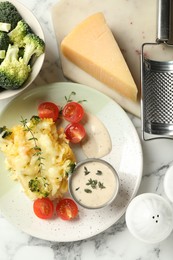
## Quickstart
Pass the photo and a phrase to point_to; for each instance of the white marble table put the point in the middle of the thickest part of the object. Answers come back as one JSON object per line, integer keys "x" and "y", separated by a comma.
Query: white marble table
{"x": 116, "y": 242}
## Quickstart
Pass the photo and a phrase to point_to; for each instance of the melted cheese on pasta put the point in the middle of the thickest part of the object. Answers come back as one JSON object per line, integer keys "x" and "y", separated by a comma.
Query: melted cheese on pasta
{"x": 42, "y": 154}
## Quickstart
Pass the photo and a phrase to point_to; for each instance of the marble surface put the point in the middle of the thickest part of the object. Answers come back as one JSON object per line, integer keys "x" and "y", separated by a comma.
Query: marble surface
{"x": 116, "y": 242}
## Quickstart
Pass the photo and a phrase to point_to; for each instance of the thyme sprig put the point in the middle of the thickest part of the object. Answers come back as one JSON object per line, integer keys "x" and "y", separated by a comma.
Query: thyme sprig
{"x": 70, "y": 99}
{"x": 36, "y": 148}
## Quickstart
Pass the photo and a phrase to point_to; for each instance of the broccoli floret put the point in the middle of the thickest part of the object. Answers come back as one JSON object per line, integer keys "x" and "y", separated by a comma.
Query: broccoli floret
{"x": 13, "y": 70}
{"x": 70, "y": 169}
{"x": 34, "y": 46}
{"x": 9, "y": 14}
{"x": 21, "y": 52}
{"x": 4, "y": 41}
{"x": 5, "y": 27}
{"x": 19, "y": 32}
{"x": 35, "y": 120}
{"x": 2, "y": 54}
{"x": 40, "y": 186}
{"x": 4, "y": 132}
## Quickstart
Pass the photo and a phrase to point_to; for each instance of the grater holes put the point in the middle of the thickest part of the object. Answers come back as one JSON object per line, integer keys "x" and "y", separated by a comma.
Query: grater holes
{"x": 158, "y": 96}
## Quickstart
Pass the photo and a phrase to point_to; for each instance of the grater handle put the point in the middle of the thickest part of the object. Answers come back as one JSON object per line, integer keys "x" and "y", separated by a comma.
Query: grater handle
{"x": 163, "y": 20}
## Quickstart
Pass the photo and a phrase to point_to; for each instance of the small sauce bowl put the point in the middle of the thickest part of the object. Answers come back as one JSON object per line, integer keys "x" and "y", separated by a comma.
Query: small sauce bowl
{"x": 94, "y": 183}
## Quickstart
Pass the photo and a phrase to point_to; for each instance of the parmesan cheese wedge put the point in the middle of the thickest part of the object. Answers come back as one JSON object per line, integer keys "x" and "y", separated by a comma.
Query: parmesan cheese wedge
{"x": 92, "y": 47}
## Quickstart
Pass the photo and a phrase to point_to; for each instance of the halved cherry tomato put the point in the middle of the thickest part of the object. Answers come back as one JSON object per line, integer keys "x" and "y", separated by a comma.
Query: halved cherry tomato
{"x": 43, "y": 208}
{"x": 66, "y": 209}
{"x": 73, "y": 112}
{"x": 75, "y": 132}
{"x": 48, "y": 110}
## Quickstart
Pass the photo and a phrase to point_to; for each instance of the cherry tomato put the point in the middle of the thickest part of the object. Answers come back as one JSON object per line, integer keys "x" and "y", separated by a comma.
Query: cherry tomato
{"x": 43, "y": 208}
{"x": 73, "y": 112}
{"x": 75, "y": 132}
{"x": 66, "y": 209}
{"x": 48, "y": 110}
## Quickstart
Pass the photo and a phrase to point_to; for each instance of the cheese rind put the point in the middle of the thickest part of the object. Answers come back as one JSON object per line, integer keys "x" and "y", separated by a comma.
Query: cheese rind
{"x": 92, "y": 47}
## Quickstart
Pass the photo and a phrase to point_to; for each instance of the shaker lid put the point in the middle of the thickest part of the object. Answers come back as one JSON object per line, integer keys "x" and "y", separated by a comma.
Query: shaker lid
{"x": 149, "y": 218}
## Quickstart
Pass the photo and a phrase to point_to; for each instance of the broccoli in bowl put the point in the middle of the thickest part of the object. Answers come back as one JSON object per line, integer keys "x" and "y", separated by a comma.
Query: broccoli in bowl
{"x": 20, "y": 48}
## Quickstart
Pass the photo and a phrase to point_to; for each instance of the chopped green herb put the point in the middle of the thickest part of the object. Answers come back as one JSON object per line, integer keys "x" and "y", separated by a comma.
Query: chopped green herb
{"x": 99, "y": 172}
{"x": 93, "y": 183}
{"x": 101, "y": 186}
{"x": 86, "y": 170}
{"x": 77, "y": 188}
{"x": 88, "y": 191}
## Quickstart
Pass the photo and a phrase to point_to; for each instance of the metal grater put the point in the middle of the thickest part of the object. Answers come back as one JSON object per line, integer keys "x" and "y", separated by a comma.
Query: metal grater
{"x": 157, "y": 83}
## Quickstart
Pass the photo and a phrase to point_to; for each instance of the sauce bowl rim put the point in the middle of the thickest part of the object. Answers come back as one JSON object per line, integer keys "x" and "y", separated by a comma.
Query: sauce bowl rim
{"x": 88, "y": 160}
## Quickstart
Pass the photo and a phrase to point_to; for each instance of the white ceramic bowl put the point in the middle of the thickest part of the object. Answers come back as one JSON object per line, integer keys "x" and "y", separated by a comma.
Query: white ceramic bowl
{"x": 94, "y": 183}
{"x": 28, "y": 16}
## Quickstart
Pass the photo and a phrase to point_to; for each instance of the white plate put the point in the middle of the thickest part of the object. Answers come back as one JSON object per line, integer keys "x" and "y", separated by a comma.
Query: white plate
{"x": 126, "y": 157}
{"x": 29, "y": 17}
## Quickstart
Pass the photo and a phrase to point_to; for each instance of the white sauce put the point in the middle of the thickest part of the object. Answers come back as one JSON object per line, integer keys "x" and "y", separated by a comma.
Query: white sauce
{"x": 97, "y": 142}
{"x": 105, "y": 186}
